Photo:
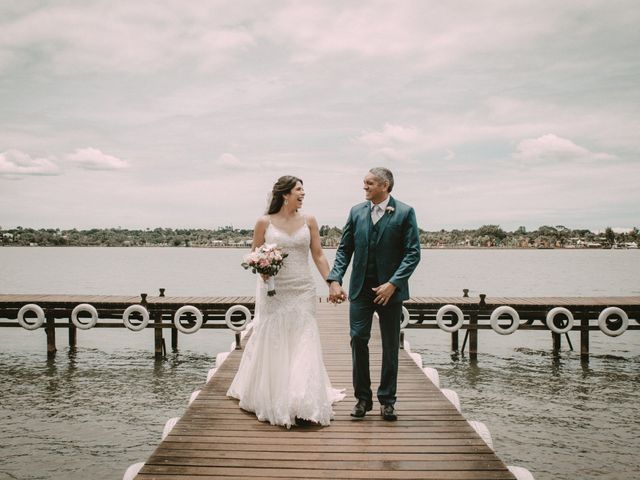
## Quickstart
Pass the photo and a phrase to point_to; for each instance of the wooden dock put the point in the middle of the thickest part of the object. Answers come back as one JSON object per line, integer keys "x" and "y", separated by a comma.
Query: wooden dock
{"x": 431, "y": 439}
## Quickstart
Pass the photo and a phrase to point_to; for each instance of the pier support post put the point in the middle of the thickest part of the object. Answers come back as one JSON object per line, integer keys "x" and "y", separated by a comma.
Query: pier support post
{"x": 50, "y": 329}
{"x": 174, "y": 339}
{"x": 73, "y": 335}
{"x": 557, "y": 342}
{"x": 157, "y": 335}
{"x": 584, "y": 337}
{"x": 473, "y": 336}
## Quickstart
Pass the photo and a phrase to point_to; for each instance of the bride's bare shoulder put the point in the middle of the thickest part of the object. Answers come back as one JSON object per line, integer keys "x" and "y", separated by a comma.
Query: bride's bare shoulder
{"x": 262, "y": 222}
{"x": 310, "y": 218}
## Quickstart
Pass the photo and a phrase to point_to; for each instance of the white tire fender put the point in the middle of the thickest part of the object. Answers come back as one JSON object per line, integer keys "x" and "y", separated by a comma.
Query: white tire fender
{"x": 39, "y": 321}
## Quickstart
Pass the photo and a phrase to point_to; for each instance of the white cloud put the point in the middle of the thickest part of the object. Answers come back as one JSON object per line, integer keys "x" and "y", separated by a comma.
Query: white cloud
{"x": 426, "y": 34}
{"x": 550, "y": 148}
{"x": 94, "y": 159}
{"x": 394, "y": 143}
{"x": 132, "y": 37}
{"x": 317, "y": 29}
{"x": 229, "y": 161}
{"x": 15, "y": 162}
{"x": 449, "y": 154}
{"x": 389, "y": 135}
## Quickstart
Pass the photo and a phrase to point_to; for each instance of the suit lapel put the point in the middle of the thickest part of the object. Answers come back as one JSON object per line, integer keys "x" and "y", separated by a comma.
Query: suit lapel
{"x": 386, "y": 216}
{"x": 367, "y": 223}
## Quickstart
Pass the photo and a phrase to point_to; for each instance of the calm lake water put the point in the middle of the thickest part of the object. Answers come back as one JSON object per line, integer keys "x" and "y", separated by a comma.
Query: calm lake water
{"x": 92, "y": 412}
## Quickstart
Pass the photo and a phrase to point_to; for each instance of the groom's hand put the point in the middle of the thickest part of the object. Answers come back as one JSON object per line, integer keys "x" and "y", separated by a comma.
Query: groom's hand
{"x": 336, "y": 293}
{"x": 384, "y": 293}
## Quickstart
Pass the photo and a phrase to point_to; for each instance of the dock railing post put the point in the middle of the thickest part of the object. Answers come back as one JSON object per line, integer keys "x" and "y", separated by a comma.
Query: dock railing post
{"x": 157, "y": 329}
{"x": 454, "y": 335}
{"x": 174, "y": 330}
{"x": 473, "y": 328}
{"x": 50, "y": 329}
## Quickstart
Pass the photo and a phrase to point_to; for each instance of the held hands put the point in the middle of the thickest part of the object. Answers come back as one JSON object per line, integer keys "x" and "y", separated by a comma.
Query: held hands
{"x": 336, "y": 293}
{"x": 384, "y": 293}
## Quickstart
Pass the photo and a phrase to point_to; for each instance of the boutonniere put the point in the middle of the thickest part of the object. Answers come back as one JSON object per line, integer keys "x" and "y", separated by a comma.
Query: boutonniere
{"x": 389, "y": 210}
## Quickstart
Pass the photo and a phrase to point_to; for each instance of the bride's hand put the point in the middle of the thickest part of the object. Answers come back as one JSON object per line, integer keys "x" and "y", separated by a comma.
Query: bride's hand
{"x": 336, "y": 293}
{"x": 265, "y": 277}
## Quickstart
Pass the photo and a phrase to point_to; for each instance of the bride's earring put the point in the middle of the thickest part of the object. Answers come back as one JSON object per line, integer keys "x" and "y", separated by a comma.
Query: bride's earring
{"x": 286, "y": 201}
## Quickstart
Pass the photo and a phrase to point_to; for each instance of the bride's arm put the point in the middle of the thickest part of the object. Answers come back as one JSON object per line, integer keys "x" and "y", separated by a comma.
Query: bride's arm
{"x": 258, "y": 232}
{"x": 316, "y": 248}
{"x": 258, "y": 237}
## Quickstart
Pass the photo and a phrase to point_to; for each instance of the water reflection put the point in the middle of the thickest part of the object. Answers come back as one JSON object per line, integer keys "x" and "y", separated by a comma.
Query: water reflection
{"x": 89, "y": 413}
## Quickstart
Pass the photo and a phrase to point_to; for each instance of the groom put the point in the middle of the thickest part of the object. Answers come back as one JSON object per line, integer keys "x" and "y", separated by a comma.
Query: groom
{"x": 382, "y": 236}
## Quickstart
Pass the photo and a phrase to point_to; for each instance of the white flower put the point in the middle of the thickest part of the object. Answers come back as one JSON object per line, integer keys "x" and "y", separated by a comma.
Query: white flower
{"x": 389, "y": 209}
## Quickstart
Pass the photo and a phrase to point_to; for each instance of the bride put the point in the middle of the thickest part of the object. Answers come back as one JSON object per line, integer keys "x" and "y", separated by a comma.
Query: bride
{"x": 282, "y": 377}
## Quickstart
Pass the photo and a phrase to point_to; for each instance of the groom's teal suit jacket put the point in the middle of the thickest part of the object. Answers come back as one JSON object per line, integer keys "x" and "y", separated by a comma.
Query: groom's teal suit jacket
{"x": 398, "y": 248}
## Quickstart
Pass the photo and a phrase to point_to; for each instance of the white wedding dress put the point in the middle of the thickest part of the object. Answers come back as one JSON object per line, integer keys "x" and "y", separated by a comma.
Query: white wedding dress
{"x": 282, "y": 374}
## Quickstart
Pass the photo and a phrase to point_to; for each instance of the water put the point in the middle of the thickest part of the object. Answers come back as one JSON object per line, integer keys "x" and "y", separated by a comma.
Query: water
{"x": 92, "y": 412}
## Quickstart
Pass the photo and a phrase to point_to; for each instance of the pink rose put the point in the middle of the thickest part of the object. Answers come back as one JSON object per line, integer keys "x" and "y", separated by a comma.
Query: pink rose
{"x": 264, "y": 262}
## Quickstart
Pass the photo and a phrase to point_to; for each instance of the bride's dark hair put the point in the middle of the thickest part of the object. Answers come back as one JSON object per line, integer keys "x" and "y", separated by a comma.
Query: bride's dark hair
{"x": 283, "y": 186}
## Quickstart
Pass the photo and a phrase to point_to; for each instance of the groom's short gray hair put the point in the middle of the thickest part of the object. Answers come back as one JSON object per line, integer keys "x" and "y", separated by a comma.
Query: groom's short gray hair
{"x": 384, "y": 175}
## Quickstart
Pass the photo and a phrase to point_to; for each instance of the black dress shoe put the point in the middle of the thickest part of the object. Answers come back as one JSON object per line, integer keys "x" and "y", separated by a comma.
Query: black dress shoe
{"x": 361, "y": 408}
{"x": 389, "y": 413}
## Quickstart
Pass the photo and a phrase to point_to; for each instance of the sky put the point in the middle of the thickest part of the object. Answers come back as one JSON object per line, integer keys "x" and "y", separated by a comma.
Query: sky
{"x": 178, "y": 114}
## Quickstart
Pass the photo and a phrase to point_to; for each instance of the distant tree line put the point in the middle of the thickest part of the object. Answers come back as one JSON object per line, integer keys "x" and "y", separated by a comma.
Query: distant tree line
{"x": 487, "y": 236}
{"x": 545, "y": 236}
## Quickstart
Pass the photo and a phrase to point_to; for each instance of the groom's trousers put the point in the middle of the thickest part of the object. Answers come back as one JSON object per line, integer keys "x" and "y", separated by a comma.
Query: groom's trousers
{"x": 361, "y": 312}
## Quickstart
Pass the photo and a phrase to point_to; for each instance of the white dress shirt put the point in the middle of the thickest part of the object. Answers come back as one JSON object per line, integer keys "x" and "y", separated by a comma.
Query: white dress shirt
{"x": 375, "y": 216}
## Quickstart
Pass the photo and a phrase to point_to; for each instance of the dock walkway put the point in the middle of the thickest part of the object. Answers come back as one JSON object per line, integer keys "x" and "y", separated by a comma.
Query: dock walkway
{"x": 430, "y": 440}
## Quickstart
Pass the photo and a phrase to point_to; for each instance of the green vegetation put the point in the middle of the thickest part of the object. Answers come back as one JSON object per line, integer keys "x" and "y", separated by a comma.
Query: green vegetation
{"x": 544, "y": 237}
{"x": 486, "y": 236}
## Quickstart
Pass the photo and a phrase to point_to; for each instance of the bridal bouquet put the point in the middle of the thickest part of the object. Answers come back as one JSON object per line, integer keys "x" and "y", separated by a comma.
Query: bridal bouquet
{"x": 267, "y": 260}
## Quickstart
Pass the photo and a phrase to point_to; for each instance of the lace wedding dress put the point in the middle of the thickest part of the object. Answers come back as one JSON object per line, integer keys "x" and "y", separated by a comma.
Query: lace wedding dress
{"x": 282, "y": 374}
